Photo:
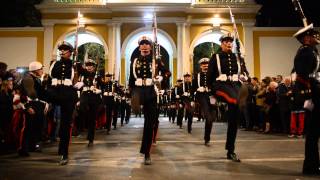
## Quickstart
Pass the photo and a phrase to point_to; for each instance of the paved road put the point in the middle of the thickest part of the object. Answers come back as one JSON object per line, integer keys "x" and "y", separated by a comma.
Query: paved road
{"x": 177, "y": 155}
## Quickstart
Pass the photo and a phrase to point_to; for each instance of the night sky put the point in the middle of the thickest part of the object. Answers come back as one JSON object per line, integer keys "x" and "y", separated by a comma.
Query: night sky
{"x": 273, "y": 13}
{"x": 281, "y": 13}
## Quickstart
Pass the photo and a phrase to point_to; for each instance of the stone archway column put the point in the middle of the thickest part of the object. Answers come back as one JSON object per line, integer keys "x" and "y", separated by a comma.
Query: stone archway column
{"x": 48, "y": 45}
{"x": 248, "y": 44}
{"x": 183, "y": 42}
{"x": 114, "y": 56}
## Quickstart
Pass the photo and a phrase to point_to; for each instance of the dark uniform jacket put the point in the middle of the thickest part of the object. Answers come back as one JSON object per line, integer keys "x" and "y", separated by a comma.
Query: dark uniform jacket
{"x": 305, "y": 64}
{"x": 226, "y": 87}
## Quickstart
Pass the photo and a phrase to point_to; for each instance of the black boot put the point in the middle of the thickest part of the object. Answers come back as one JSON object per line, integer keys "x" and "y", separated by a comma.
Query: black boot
{"x": 147, "y": 159}
{"x": 233, "y": 156}
{"x": 64, "y": 160}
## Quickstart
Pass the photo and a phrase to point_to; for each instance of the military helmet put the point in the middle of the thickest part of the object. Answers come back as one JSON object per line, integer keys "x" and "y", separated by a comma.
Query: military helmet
{"x": 90, "y": 62}
{"x": 144, "y": 40}
{"x": 204, "y": 61}
{"x": 64, "y": 45}
{"x": 187, "y": 75}
{"x": 108, "y": 74}
{"x": 308, "y": 30}
{"x": 226, "y": 37}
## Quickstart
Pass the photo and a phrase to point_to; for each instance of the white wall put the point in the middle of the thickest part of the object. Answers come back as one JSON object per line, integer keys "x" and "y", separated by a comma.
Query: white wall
{"x": 276, "y": 55}
{"x": 16, "y": 51}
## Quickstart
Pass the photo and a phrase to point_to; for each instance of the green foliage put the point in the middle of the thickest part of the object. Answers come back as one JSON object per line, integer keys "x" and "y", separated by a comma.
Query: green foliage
{"x": 95, "y": 52}
{"x": 203, "y": 50}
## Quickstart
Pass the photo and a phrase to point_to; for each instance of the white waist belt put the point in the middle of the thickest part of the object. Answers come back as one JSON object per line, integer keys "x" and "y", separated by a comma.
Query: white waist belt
{"x": 203, "y": 89}
{"x": 108, "y": 94}
{"x": 91, "y": 88}
{"x": 224, "y": 77}
{"x": 144, "y": 82}
{"x": 186, "y": 94}
{"x": 65, "y": 82}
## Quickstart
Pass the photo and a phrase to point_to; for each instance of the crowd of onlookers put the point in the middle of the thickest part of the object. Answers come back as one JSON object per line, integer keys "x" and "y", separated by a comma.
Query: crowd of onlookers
{"x": 273, "y": 106}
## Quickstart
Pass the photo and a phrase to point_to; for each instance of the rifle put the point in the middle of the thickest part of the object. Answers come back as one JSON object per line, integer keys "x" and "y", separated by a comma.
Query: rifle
{"x": 75, "y": 53}
{"x": 244, "y": 70}
{"x": 158, "y": 68}
{"x": 298, "y": 8}
{"x": 156, "y": 56}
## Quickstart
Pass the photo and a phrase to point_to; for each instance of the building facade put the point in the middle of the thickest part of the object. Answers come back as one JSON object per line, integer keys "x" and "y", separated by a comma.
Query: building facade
{"x": 183, "y": 25}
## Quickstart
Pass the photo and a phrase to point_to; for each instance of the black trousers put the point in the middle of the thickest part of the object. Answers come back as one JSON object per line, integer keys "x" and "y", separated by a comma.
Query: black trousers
{"x": 311, "y": 160}
{"x": 116, "y": 106}
{"x": 128, "y": 112}
{"x": 156, "y": 126}
{"x": 146, "y": 96}
{"x": 33, "y": 126}
{"x": 108, "y": 101}
{"x": 233, "y": 120}
{"x": 172, "y": 113}
{"x": 209, "y": 113}
{"x": 189, "y": 110}
{"x": 89, "y": 103}
{"x": 180, "y": 115}
{"x": 66, "y": 97}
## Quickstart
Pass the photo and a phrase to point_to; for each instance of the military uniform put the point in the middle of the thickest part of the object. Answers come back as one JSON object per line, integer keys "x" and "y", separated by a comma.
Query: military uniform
{"x": 108, "y": 99}
{"x": 90, "y": 99}
{"x": 116, "y": 105}
{"x": 178, "y": 91}
{"x": 188, "y": 101}
{"x": 201, "y": 88}
{"x": 172, "y": 111}
{"x": 64, "y": 95}
{"x": 224, "y": 75}
{"x": 306, "y": 66}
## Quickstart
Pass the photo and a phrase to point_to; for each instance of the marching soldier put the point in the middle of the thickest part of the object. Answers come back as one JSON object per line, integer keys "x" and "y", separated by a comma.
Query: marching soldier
{"x": 63, "y": 94}
{"x": 90, "y": 97}
{"x": 188, "y": 99}
{"x": 171, "y": 106}
{"x": 123, "y": 104}
{"x": 108, "y": 99}
{"x": 178, "y": 91}
{"x": 224, "y": 74}
{"x": 128, "y": 105}
{"x": 201, "y": 87}
{"x": 116, "y": 104}
{"x": 306, "y": 66}
{"x": 142, "y": 72}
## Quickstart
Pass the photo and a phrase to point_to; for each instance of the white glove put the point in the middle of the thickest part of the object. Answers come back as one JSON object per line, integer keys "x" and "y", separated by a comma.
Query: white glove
{"x": 222, "y": 77}
{"x": 159, "y": 78}
{"x": 79, "y": 85}
{"x": 200, "y": 89}
{"x": 192, "y": 104}
{"x": 308, "y": 104}
{"x": 177, "y": 96}
{"x": 97, "y": 91}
